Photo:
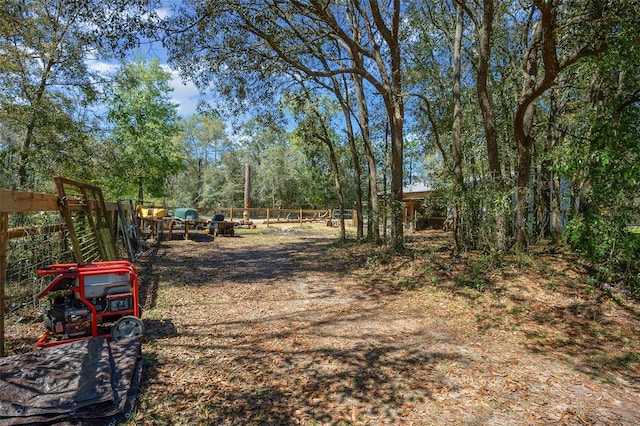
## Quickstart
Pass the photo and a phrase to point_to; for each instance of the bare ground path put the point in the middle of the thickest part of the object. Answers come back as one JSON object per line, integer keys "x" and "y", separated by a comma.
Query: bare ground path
{"x": 284, "y": 327}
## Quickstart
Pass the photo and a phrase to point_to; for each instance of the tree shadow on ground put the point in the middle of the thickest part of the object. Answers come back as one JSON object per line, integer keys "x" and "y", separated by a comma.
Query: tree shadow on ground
{"x": 328, "y": 361}
{"x": 158, "y": 329}
{"x": 581, "y": 331}
{"x": 587, "y": 329}
{"x": 241, "y": 265}
{"x": 263, "y": 377}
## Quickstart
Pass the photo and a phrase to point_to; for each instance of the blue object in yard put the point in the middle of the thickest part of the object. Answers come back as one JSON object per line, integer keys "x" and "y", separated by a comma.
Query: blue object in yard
{"x": 186, "y": 213}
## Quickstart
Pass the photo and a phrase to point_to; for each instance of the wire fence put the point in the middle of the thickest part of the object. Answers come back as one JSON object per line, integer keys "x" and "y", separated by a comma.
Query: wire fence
{"x": 39, "y": 239}
{"x": 35, "y": 232}
{"x": 44, "y": 242}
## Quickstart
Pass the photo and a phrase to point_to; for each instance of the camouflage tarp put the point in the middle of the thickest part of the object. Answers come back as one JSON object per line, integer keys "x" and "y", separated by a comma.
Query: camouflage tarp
{"x": 85, "y": 382}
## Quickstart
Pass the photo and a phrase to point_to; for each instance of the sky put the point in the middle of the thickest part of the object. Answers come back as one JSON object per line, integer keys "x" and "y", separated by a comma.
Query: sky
{"x": 185, "y": 94}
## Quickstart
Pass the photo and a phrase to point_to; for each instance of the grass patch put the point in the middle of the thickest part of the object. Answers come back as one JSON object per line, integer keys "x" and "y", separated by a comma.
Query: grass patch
{"x": 626, "y": 361}
{"x": 381, "y": 257}
{"x": 408, "y": 283}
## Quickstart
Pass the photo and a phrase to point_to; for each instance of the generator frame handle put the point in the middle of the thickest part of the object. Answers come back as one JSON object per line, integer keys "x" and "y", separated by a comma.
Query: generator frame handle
{"x": 80, "y": 271}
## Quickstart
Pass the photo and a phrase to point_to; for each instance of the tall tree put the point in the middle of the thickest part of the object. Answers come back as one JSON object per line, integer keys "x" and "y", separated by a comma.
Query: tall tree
{"x": 315, "y": 127}
{"x": 556, "y": 56}
{"x": 142, "y": 151}
{"x": 44, "y": 79}
{"x": 43, "y": 45}
{"x": 226, "y": 184}
{"x": 340, "y": 87}
{"x": 599, "y": 153}
{"x": 205, "y": 141}
{"x": 485, "y": 101}
{"x": 373, "y": 224}
{"x": 456, "y": 133}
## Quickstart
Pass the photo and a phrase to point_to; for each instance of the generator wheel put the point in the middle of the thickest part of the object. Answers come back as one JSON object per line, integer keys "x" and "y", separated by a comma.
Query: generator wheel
{"x": 127, "y": 326}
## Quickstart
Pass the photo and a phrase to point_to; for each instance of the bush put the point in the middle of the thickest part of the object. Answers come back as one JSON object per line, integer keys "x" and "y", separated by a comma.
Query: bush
{"x": 610, "y": 246}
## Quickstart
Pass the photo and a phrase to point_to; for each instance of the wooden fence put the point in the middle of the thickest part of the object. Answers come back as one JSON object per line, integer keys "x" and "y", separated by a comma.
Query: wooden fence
{"x": 269, "y": 216}
{"x": 34, "y": 206}
{"x": 13, "y": 202}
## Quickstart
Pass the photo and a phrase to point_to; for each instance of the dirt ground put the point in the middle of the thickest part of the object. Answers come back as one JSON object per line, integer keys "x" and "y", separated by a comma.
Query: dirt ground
{"x": 286, "y": 326}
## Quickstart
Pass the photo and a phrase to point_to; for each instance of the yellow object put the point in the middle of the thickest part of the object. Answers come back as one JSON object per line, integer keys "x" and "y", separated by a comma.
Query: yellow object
{"x": 150, "y": 212}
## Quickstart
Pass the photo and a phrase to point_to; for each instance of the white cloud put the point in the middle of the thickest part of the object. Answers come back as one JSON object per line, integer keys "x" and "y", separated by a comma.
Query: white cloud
{"x": 163, "y": 12}
{"x": 185, "y": 93}
{"x": 102, "y": 67}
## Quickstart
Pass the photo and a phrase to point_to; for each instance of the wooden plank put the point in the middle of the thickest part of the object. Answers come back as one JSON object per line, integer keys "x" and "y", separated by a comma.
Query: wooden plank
{"x": 20, "y": 201}
{"x": 25, "y": 231}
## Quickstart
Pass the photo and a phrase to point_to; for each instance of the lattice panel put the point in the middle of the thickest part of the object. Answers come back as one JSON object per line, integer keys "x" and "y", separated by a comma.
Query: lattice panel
{"x": 90, "y": 230}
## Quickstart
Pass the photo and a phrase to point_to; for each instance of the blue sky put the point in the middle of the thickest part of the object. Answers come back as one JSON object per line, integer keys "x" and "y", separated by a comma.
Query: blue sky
{"x": 185, "y": 94}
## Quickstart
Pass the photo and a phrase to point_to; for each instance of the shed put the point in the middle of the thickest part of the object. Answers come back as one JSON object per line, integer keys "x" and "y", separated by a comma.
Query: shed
{"x": 414, "y": 197}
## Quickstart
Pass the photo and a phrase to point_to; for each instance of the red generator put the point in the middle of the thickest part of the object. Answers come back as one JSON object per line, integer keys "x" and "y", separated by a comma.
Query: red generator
{"x": 85, "y": 299}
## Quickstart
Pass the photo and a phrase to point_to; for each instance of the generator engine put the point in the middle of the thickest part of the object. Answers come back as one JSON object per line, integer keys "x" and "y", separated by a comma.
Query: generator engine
{"x": 64, "y": 314}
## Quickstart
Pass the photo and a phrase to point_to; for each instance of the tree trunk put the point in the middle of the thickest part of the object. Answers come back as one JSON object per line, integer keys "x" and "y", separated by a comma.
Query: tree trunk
{"x": 522, "y": 126}
{"x": 456, "y": 134}
{"x": 140, "y": 191}
{"x": 488, "y": 116}
{"x": 339, "y": 191}
{"x": 196, "y": 195}
{"x": 385, "y": 182}
{"x": 31, "y": 125}
{"x": 556, "y": 208}
{"x": 395, "y": 112}
{"x": 373, "y": 229}
{"x": 395, "y": 109}
{"x": 356, "y": 171}
{"x": 544, "y": 208}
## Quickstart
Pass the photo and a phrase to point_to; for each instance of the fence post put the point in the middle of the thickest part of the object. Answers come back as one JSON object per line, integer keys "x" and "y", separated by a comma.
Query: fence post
{"x": 4, "y": 236}
{"x": 267, "y": 217}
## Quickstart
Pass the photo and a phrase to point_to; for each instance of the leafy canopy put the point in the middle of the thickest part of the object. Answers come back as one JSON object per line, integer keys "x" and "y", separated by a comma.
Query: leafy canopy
{"x": 141, "y": 151}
